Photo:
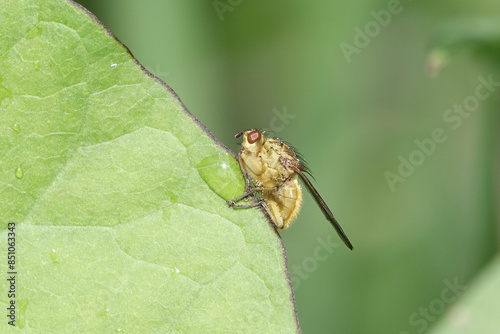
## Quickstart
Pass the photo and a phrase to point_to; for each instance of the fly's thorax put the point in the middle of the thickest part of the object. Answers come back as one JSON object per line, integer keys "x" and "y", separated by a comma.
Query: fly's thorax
{"x": 279, "y": 159}
{"x": 263, "y": 160}
{"x": 270, "y": 154}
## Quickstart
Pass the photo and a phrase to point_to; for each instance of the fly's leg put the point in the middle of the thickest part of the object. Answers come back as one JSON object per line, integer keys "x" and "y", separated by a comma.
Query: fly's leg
{"x": 232, "y": 203}
{"x": 248, "y": 193}
{"x": 244, "y": 206}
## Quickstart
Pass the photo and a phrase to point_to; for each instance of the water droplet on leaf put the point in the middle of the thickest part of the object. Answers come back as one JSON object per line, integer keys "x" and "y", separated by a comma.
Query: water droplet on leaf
{"x": 53, "y": 256}
{"x": 19, "y": 172}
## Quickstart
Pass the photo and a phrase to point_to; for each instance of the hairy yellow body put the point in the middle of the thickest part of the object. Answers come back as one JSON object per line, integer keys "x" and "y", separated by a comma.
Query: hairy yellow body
{"x": 268, "y": 164}
{"x": 270, "y": 167}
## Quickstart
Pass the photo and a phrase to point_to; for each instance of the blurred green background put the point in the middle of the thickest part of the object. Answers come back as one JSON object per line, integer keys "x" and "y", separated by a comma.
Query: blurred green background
{"x": 279, "y": 65}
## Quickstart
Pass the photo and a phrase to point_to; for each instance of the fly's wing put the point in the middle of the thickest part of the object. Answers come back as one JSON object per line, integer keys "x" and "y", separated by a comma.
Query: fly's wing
{"x": 326, "y": 211}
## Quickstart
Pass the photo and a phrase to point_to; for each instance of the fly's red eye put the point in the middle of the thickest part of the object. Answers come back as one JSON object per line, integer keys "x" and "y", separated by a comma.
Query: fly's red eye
{"x": 253, "y": 136}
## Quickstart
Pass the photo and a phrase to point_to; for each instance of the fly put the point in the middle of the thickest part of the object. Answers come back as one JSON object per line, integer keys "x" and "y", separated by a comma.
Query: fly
{"x": 270, "y": 167}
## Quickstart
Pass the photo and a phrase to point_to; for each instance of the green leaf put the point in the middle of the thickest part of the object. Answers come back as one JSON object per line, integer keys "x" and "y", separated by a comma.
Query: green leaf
{"x": 118, "y": 194}
{"x": 477, "y": 311}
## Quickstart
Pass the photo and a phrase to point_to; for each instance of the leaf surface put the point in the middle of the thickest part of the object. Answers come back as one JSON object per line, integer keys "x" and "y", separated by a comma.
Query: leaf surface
{"x": 119, "y": 195}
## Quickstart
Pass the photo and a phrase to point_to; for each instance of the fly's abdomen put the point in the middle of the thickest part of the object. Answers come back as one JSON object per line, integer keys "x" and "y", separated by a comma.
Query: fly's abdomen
{"x": 284, "y": 204}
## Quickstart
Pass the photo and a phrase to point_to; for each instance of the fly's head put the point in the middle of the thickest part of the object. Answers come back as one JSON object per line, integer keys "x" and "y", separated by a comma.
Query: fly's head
{"x": 253, "y": 141}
